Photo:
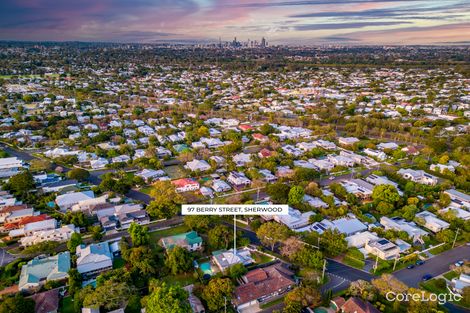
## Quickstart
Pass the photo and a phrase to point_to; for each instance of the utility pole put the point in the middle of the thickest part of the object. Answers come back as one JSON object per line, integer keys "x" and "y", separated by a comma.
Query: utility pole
{"x": 395, "y": 263}
{"x": 234, "y": 235}
{"x": 376, "y": 263}
{"x": 225, "y": 304}
{"x": 323, "y": 272}
{"x": 455, "y": 239}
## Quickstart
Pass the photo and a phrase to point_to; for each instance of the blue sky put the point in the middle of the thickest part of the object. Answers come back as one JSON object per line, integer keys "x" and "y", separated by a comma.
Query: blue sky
{"x": 281, "y": 22}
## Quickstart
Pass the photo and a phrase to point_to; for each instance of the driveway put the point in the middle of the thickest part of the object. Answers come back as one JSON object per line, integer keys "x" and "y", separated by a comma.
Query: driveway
{"x": 435, "y": 266}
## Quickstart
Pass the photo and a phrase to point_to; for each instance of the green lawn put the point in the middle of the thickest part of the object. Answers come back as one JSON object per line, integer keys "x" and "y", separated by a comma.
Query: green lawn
{"x": 156, "y": 235}
{"x": 146, "y": 189}
{"x": 66, "y": 305}
{"x": 180, "y": 279}
{"x": 432, "y": 286}
{"x": 353, "y": 262}
{"x": 261, "y": 258}
{"x": 175, "y": 171}
{"x": 450, "y": 275}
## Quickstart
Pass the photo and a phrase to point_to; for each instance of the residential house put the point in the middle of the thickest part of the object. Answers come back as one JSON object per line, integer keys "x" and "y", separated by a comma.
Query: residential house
{"x": 220, "y": 186}
{"x": 315, "y": 202}
{"x": 431, "y": 222}
{"x": 197, "y": 165}
{"x": 191, "y": 241}
{"x": 46, "y": 302}
{"x": 10, "y": 166}
{"x": 379, "y": 155}
{"x": 457, "y": 212}
{"x": 149, "y": 175}
{"x": 418, "y": 176}
{"x": 40, "y": 270}
{"x": 32, "y": 227}
{"x": 382, "y": 248}
{"x": 238, "y": 180}
{"x": 185, "y": 184}
{"x": 241, "y": 159}
{"x": 295, "y": 220}
{"x": 262, "y": 285}
{"x": 357, "y": 305}
{"x": 347, "y": 141}
{"x": 359, "y": 240}
{"x": 387, "y": 146}
{"x": 94, "y": 258}
{"x": 59, "y": 234}
{"x": 227, "y": 258}
{"x": 359, "y": 188}
{"x": 461, "y": 282}
{"x": 59, "y": 185}
{"x": 66, "y": 201}
{"x": 458, "y": 199}
{"x": 349, "y": 225}
{"x": 396, "y": 223}
{"x": 267, "y": 175}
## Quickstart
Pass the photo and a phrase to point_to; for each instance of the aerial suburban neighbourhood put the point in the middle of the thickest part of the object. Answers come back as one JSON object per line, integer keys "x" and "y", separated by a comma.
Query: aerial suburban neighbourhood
{"x": 101, "y": 144}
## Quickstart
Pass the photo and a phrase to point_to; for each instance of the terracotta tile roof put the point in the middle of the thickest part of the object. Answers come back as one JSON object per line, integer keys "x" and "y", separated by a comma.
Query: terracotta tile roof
{"x": 12, "y": 208}
{"x": 356, "y": 305}
{"x": 263, "y": 282}
{"x": 26, "y": 220}
{"x": 47, "y": 301}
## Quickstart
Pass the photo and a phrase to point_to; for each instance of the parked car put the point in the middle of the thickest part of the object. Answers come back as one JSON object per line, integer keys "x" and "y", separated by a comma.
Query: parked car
{"x": 459, "y": 263}
{"x": 410, "y": 266}
{"x": 420, "y": 262}
{"x": 427, "y": 277}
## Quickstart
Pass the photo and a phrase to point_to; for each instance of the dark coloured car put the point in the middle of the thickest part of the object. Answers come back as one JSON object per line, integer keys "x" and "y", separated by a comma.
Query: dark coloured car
{"x": 420, "y": 262}
{"x": 427, "y": 277}
{"x": 410, "y": 266}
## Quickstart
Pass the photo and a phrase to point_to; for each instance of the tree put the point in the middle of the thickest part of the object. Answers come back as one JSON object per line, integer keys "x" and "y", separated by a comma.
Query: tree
{"x": 139, "y": 234}
{"x": 272, "y": 233}
{"x": 384, "y": 208}
{"x": 96, "y": 232}
{"x": 309, "y": 257}
{"x": 363, "y": 289}
{"x": 46, "y": 247}
{"x": 76, "y": 218}
{"x": 466, "y": 296}
{"x": 216, "y": 292}
{"x": 110, "y": 295}
{"x": 75, "y": 281}
{"x": 333, "y": 242}
{"x": 74, "y": 241}
{"x": 306, "y": 296}
{"x": 296, "y": 195}
{"x": 446, "y": 235}
{"x": 278, "y": 192}
{"x": 162, "y": 210}
{"x": 385, "y": 193}
{"x": 17, "y": 304}
{"x": 167, "y": 299}
{"x": 388, "y": 282}
{"x": 200, "y": 223}
{"x": 78, "y": 174}
{"x": 409, "y": 211}
{"x": 22, "y": 183}
{"x": 219, "y": 237}
{"x": 237, "y": 271}
{"x": 141, "y": 259}
{"x": 291, "y": 246}
{"x": 178, "y": 260}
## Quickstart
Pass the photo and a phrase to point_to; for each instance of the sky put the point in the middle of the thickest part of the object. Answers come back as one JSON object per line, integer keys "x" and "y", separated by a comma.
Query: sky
{"x": 293, "y": 22}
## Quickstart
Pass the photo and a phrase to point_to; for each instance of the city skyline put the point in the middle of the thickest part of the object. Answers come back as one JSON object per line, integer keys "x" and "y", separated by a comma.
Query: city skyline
{"x": 302, "y": 22}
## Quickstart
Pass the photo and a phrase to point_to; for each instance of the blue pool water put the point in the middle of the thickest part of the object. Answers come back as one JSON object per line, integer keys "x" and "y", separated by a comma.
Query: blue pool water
{"x": 206, "y": 268}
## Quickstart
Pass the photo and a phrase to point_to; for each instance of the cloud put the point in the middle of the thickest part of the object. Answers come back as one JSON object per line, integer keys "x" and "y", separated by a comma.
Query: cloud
{"x": 323, "y": 26}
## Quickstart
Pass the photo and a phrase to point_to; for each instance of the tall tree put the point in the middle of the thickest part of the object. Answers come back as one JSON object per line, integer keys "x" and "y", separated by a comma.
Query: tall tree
{"x": 167, "y": 299}
{"x": 296, "y": 195}
{"x": 74, "y": 242}
{"x": 219, "y": 237}
{"x": 271, "y": 233}
{"x": 218, "y": 292}
{"x": 178, "y": 260}
{"x": 17, "y": 304}
{"x": 139, "y": 234}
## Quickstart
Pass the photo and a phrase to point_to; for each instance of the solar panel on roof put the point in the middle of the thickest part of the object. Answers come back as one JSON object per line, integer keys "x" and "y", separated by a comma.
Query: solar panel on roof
{"x": 383, "y": 241}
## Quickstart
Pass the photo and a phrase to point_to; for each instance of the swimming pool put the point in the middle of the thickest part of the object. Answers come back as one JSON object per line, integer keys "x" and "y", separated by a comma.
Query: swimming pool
{"x": 206, "y": 268}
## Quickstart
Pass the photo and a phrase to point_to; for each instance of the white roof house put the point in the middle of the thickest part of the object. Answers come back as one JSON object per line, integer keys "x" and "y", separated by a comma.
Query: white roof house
{"x": 59, "y": 234}
{"x": 66, "y": 201}
{"x": 315, "y": 202}
{"x": 295, "y": 219}
{"x": 432, "y": 222}
{"x": 220, "y": 186}
{"x": 402, "y": 225}
{"x": 10, "y": 166}
{"x": 359, "y": 240}
{"x": 241, "y": 159}
{"x": 459, "y": 213}
{"x": 197, "y": 165}
{"x": 94, "y": 258}
{"x": 418, "y": 176}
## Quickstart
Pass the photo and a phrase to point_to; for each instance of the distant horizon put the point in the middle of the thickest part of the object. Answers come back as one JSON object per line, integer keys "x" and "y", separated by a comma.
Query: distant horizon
{"x": 283, "y": 22}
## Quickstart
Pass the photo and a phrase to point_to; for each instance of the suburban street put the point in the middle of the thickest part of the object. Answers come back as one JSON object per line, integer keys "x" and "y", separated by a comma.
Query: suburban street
{"x": 435, "y": 266}
{"x": 341, "y": 275}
